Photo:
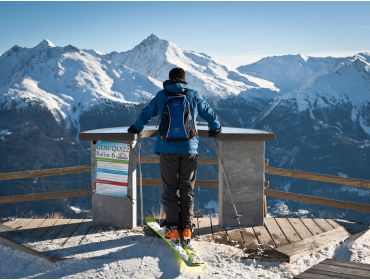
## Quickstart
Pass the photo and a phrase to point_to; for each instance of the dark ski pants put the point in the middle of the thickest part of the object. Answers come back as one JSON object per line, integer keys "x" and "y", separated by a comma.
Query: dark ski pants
{"x": 178, "y": 173}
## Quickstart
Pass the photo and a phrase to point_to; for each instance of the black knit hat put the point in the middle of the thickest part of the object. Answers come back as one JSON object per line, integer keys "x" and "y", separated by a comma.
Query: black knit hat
{"x": 177, "y": 73}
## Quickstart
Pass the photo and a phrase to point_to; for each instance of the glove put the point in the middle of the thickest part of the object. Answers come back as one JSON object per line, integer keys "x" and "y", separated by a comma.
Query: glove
{"x": 213, "y": 133}
{"x": 133, "y": 130}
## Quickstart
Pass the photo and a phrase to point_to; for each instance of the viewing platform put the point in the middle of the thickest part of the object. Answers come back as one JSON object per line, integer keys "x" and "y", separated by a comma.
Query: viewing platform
{"x": 114, "y": 223}
{"x": 279, "y": 239}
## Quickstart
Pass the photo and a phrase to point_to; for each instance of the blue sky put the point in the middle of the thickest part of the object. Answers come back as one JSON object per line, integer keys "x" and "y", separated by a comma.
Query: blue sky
{"x": 234, "y": 32}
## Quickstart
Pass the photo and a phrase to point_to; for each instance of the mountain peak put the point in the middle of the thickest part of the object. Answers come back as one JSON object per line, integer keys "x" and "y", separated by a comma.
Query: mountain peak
{"x": 303, "y": 56}
{"x": 151, "y": 40}
{"x": 44, "y": 44}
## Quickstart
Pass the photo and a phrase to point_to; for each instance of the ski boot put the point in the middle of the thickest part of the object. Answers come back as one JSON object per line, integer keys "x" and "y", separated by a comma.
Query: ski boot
{"x": 194, "y": 257}
{"x": 172, "y": 233}
{"x": 186, "y": 238}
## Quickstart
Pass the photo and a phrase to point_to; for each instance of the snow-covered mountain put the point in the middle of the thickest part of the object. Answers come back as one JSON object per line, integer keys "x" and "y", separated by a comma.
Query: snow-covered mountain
{"x": 68, "y": 81}
{"x": 154, "y": 57}
{"x": 316, "y": 83}
{"x": 290, "y": 72}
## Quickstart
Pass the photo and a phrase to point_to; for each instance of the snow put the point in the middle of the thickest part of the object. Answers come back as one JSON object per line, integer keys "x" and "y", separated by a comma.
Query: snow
{"x": 44, "y": 44}
{"x": 317, "y": 82}
{"x": 365, "y": 128}
{"x": 130, "y": 254}
{"x": 4, "y": 133}
{"x": 365, "y": 144}
{"x": 78, "y": 210}
{"x": 67, "y": 81}
{"x": 154, "y": 57}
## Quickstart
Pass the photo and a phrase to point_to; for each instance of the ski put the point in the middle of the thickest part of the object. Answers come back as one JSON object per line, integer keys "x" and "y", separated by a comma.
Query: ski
{"x": 193, "y": 255}
{"x": 188, "y": 256}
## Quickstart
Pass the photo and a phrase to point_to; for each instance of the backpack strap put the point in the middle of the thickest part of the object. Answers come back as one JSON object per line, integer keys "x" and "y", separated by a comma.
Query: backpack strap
{"x": 167, "y": 93}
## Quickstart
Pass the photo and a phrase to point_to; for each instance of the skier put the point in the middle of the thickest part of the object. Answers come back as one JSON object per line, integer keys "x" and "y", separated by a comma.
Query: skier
{"x": 177, "y": 143}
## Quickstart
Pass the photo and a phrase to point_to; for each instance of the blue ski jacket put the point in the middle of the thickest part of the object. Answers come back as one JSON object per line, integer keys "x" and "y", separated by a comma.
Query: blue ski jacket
{"x": 197, "y": 105}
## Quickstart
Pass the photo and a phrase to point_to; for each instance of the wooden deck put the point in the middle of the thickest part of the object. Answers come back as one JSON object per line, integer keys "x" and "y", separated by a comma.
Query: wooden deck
{"x": 284, "y": 239}
{"x": 336, "y": 269}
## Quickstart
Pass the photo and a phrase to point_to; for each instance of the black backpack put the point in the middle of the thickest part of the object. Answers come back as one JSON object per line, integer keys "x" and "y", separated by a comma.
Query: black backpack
{"x": 176, "y": 122}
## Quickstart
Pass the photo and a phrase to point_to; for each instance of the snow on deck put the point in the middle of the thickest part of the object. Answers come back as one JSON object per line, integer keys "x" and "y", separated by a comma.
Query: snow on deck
{"x": 112, "y": 253}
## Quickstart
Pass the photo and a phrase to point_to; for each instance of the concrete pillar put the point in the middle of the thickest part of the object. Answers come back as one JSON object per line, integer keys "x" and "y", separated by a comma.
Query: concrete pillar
{"x": 243, "y": 163}
{"x": 116, "y": 211}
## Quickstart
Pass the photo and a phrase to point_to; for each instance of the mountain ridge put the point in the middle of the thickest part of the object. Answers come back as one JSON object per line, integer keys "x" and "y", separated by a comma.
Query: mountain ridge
{"x": 68, "y": 80}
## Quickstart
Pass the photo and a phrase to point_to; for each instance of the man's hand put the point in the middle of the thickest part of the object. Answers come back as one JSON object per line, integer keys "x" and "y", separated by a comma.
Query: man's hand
{"x": 133, "y": 130}
{"x": 214, "y": 133}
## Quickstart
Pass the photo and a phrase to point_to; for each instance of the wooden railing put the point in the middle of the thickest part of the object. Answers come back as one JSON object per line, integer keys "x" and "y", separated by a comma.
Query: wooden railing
{"x": 200, "y": 183}
{"x": 317, "y": 177}
{"x": 44, "y": 173}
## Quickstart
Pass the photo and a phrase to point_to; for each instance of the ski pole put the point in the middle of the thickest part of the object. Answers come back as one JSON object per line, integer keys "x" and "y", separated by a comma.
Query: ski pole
{"x": 141, "y": 183}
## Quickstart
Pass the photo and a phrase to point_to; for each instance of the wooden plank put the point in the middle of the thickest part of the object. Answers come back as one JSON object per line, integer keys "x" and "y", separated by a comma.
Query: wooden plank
{"x": 23, "y": 223}
{"x": 264, "y": 237}
{"x": 45, "y": 172}
{"x": 359, "y": 273}
{"x": 333, "y": 223}
{"x": 312, "y": 244}
{"x": 198, "y": 183}
{"x": 5, "y": 230}
{"x": 34, "y": 224}
{"x": 43, "y": 196}
{"x": 300, "y": 228}
{"x": 235, "y": 238}
{"x": 55, "y": 229}
{"x": 275, "y": 232}
{"x": 318, "y": 200}
{"x": 18, "y": 223}
{"x": 288, "y": 230}
{"x": 363, "y": 266}
{"x": 204, "y": 226}
{"x": 323, "y": 224}
{"x": 11, "y": 223}
{"x": 67, "y": 231}
{"x": 250, "y": 239}
{"x": 310, "y": 275}
{"x": 77, "y": 236}
{"x": 312, "y": 226}
{"x": 42, "y": 229}
{"x": 331, "y": 273}
{"x": 318, "y": 177}
{"x": 22, "y": 235}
